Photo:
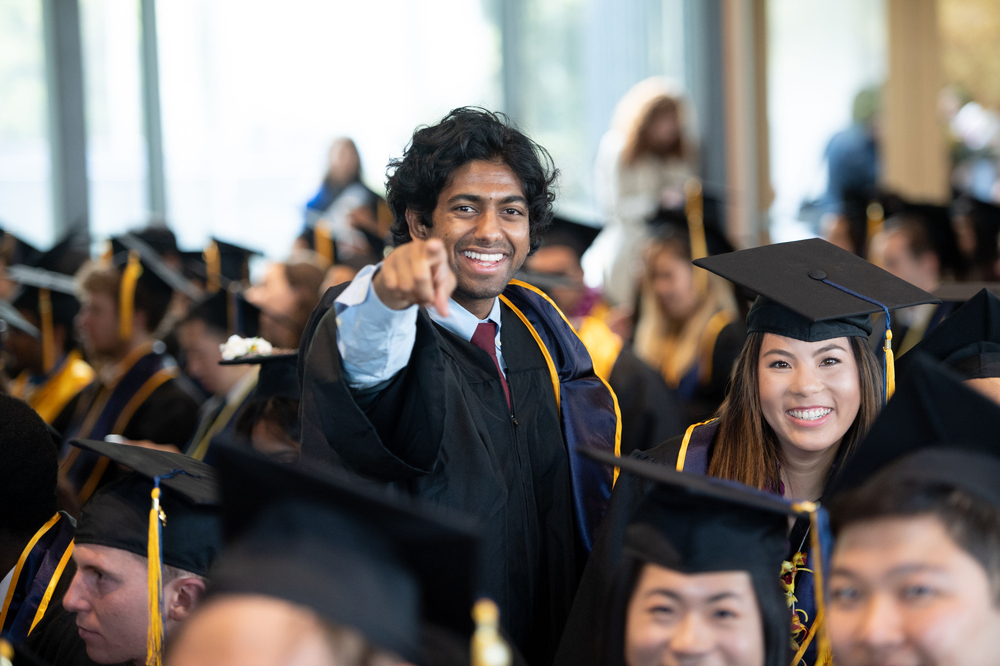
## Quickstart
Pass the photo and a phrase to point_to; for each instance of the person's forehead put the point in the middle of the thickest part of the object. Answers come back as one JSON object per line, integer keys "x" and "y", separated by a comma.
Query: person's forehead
{"x": 894, "y": 542}
{"x": 481, "y": 176}
{"x": 106, "y": 557}
{"x": 695, "y": 585}
{"x": 773, "y": 341}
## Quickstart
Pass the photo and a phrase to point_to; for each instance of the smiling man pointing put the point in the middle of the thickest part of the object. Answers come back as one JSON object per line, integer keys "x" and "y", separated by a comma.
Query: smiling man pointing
{"x": 436, "y": 375}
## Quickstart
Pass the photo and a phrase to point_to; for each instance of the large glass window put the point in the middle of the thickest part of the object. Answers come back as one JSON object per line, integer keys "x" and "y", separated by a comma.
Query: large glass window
{"x": 25, "y": 174}
{"x": 116, "y": 144}
{"x": 820, "y": 55}
{"x": 253, "y": 93}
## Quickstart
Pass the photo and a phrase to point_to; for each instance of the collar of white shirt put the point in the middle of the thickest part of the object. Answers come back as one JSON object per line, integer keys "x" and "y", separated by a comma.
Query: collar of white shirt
{"x": 463, "y": 323}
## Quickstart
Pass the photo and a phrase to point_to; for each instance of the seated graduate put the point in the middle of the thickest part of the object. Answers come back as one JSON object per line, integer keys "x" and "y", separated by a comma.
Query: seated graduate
{"x": 698, "y": 582}
{"x": 139, "y": 392}
{"x": 35, "y": 540}
{"x": 688, "y": 323}
{"x": 202, "y": 334}
{"x": 316, "y": 571}
{"x": 287, "y": 295}
{"x": 269, "y": 421}
{"x": 968, "y": 342}
{"x": 915, "y": 570}
{"x": 805, "y": 389}
{"x": 135, "y": 581}
{"x": 52, "y": 370}
{"x": 650, "y": 412}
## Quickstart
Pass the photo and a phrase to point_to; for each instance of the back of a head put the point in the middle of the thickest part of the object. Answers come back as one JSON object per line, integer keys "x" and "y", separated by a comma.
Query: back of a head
{"x": 29, "y": 461}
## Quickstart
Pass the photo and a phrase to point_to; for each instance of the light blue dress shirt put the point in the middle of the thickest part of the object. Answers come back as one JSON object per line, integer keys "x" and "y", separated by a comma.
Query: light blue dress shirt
{"x": 375, "y": 341}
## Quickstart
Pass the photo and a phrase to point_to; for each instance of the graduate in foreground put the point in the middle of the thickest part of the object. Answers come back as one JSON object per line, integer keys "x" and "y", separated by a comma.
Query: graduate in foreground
{"x": 915, "y": 575}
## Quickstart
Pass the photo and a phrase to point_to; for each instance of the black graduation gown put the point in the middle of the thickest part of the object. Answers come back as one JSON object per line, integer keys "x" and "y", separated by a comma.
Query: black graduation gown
{"x": 650, "y": 410}
{"x": 441, "y": 430}
{"x": 59, "y": 643}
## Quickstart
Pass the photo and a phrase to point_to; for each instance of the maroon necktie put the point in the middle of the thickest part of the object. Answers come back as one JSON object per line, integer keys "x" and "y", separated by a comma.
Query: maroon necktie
{"x": 485, "y": 338}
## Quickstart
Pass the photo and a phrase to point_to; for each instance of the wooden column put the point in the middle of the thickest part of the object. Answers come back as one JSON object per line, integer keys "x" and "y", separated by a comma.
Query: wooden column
{"x": 914, "y": 155}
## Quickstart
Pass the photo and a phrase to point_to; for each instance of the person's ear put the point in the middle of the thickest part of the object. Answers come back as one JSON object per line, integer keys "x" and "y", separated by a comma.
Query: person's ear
{"x": 181, "y": 597}
{"x": 415, "y": 223}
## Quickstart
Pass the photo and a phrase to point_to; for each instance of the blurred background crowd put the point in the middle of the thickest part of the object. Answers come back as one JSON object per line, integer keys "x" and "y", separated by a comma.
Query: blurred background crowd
{"x": 681, "y": 128}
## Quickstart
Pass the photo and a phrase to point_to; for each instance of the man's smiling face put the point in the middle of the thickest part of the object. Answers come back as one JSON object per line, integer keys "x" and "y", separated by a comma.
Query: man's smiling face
{"x": 482, "y": 218}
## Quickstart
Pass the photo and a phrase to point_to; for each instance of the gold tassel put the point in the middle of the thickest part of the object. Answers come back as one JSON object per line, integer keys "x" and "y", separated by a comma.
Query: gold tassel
{"x": 875, "y": 214}
{"x": 154, "y": 637}
{"x": 323, "y": 241}
{"x": 890, "y": 366}
{"x": 694, "y": 209}
{"x": 48, "y": 335}
{"x": 488, "y": 647}
{"x": 126, "y": 295}
{"x": 213, "y": 267}
{"x": 824, "y": 652}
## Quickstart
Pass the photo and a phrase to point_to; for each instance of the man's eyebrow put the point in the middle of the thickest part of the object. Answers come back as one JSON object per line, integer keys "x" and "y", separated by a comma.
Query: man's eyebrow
{"x": 476, "y": 198}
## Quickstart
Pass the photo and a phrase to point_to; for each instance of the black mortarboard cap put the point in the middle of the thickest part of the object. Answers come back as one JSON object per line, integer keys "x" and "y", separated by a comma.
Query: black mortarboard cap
{"x": 48, "y": 290}
{"x": 11, "y": 317}
{"x": 931, "y": 407}
{"x": 234, "y": 260}
{"x": 229, "y": 311}
{"x": 117, "y": 515}
{"x": 156, "y": 274}
{"x": 356, "y": 559}
{"x": 796, "y": 297}
{"x": 968, "y": 341}
{"x": 694, "y": 523}
{"x": 13, "y": 250}
{"x": 278, "y": 376}
{"x": 576, "y": 235}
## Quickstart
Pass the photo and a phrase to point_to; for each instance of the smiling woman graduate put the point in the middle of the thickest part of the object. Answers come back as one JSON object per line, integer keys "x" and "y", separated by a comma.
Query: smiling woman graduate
{"x": 804, "y": 391}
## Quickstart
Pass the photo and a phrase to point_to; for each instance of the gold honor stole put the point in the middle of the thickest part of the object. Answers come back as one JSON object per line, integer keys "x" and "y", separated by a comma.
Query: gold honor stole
{"x": 52, "y": 396}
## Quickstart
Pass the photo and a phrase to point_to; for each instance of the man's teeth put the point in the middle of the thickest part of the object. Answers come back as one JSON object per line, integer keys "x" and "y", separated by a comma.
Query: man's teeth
{"x": 479, "y": 256}
{"x": 809, "y": 414}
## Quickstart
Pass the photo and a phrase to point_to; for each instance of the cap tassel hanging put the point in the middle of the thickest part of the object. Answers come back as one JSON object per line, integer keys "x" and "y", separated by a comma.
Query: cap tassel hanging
{"x": 48, "y": 335}
{"x": 694, "y": 210}
{"x": 888, "y": 361}
{"x": 488, "y": 646}
{"x": 323, "y": 241}
{"x": 154, "y": 554}
{"x": 154, "y": 637}
{"x": 213, "y": 267}
{"x": 126, "y": 294}
{"x": 824, "y": 652}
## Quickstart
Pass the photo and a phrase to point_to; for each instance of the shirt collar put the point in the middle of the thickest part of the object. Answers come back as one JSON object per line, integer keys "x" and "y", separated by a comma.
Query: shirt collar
{"x": 463, "y": 323}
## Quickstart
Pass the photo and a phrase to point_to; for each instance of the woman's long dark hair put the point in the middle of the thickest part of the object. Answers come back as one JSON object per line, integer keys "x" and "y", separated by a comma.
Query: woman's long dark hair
{"x": 746, "y": 448}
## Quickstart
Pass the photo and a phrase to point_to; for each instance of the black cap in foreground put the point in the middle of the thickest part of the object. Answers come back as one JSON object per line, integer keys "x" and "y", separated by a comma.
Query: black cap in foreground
{"x": 693, "y": 523}
{"x": 968, "y": 341}
{"x": 117, "y": 515}
{"x": 357, "y": 560}
{"x": 278, "y": 378}
{"x": 932, "y": 408}
{"x": 798, "y": 297}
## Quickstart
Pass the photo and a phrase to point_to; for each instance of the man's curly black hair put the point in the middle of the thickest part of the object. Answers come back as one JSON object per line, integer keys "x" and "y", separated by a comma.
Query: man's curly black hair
{"x": 465, "y": 135}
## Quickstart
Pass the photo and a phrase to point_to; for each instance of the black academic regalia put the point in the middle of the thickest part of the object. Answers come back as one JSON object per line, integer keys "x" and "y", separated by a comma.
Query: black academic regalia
{"x": 650, "y": 410}
{"x": 704, "y": 397}
{"x": 441, "y": 430}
